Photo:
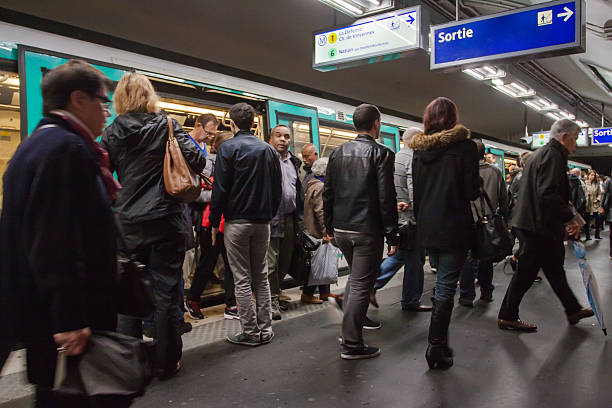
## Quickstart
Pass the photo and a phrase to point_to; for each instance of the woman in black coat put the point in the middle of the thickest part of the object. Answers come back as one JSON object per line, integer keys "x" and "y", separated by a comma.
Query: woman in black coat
{"x": 152, "y": 220}
{"x": 445, "y": 175}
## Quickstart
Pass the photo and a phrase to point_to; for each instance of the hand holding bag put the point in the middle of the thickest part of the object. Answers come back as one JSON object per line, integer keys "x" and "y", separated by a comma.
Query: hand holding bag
{"x": 180, "y": 181}
{"x": 493, "y": 240}
{"x": 324, "y": 265}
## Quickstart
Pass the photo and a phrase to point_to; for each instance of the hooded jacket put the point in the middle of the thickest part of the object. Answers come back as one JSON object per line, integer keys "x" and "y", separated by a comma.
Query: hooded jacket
{"x": 136, "y": 144}
{"x": 445, "y": 178}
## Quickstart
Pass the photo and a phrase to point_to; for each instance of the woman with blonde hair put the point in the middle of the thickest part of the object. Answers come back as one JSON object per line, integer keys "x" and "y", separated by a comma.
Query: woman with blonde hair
{"x": 151, "y": 219}
{"x": 593, "y": 192}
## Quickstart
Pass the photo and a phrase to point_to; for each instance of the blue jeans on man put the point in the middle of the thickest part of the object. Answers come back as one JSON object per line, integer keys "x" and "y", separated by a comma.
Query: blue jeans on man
{"x": 412, "y": 286}
{"x": 473, "y": 268}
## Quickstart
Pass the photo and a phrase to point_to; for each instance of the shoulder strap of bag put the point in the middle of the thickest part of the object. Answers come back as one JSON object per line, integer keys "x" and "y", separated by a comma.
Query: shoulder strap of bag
{"x": 170, "y": 129}
{"x": 485, "y": 196}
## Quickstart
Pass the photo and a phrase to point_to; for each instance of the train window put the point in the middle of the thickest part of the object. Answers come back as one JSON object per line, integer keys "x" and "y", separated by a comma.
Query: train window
{"x": 9, "y": 120}
{"x": 301, "y": 136}
{"x": 330, "y": 138}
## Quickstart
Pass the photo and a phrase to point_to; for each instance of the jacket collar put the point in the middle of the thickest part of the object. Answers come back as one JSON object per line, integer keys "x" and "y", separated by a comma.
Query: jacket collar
{"x": 244, "y": 133}
{"x": 363, "y": 136}
{"x": 555, "y": 144}
{"x": 437, "y": 140}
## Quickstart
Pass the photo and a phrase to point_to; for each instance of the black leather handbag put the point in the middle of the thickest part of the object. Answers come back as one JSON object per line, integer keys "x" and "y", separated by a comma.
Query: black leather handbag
{"x": 493, "y": 240}
{"x": 135, "y": 296}
{"x": 407, "y": 235}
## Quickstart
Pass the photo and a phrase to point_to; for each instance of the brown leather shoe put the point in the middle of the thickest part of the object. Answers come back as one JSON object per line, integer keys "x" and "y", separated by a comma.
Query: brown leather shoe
{"x": 581, "y": 314}
{"x": 325, "y": 297}
{"x": 313, "y": 300}
{"x": 517, "y": 324}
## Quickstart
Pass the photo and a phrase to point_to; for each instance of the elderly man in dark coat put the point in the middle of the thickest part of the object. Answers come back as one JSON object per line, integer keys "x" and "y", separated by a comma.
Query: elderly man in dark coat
{"x": 543, "y": 216}
{"x": 57, "y": 259}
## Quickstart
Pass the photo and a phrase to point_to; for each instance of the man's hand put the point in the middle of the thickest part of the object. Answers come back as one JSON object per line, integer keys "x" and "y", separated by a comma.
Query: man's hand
{"x": 602, "y": 211}
{"x": 213, "y": 233}
{"x": 73, "y": 341}
{"x": 573, "y": 229}
{"x": 392, "y": 250}
{"x": 402, "y": 206}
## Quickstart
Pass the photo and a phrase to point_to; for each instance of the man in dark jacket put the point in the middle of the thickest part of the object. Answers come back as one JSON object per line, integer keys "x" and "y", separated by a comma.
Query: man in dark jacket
{"x": 360, "y": 209}
{"x": 494, "y": 185}
{"x": 58, "y": 265}
{"x": 247, "y": 191}
{"x": 309, "y": 156}
{"x": 542, "y": 217}
{"x": 288, "y": 221}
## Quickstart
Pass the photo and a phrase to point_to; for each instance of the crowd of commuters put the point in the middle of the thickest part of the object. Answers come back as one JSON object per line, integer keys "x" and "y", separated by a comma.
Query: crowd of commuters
{"x": 258, "y": 199}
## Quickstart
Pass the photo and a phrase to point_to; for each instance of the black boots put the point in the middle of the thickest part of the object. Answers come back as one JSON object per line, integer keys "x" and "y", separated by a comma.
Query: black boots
{"x": 438, "y": 353}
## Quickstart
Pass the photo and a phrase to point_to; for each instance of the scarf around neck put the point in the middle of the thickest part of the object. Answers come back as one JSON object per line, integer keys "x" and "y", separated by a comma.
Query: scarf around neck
{"x": 101, "y": 155}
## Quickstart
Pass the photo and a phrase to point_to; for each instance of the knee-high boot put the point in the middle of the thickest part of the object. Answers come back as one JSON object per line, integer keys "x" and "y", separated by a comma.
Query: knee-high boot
{"x": 438, "y": 353}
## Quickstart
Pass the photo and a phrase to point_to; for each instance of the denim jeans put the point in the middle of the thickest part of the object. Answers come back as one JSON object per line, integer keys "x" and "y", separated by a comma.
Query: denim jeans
{"x": 450, "y": 263}
{"x": 412, "y": 285}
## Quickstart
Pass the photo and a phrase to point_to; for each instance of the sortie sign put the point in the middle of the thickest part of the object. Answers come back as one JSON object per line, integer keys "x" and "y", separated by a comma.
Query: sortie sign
{"x": 546, "y": 29}
{"x": 602, "y": 136}
{"x": 368, "y": 40}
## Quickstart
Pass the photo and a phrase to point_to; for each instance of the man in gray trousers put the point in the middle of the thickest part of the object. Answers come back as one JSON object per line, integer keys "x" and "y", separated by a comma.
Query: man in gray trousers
{"x": 360, "y": 209}
{"x": 247, "y": 192}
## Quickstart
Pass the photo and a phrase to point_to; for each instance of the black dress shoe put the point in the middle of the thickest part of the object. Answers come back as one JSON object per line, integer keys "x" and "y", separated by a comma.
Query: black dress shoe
{"x": 418, "y": 308}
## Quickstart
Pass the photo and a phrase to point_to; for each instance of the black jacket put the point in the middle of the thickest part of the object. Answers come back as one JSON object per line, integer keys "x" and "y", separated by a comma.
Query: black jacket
{"x": 57, "y": 246}
{"x": 277, "y": 225}
{"x": 136, "y": 144}
{"x": 446, "y": 179}
{"x": 577, "y": 195}
{"x": 359, "y": 194}
{"x": 606, "y": 201}
{"x": 543, "y": 205}
{"x": 513, "y": 190}
{"x": 247, "y": 181}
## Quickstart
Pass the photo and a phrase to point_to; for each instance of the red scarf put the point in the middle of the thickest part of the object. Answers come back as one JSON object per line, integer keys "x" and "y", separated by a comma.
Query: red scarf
{"x": 112, "y": 185}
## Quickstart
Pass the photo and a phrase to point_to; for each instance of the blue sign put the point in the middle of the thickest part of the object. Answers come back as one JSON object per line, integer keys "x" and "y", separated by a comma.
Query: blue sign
{"x": 549, "y": 29}
{"x": 602, "y": 136}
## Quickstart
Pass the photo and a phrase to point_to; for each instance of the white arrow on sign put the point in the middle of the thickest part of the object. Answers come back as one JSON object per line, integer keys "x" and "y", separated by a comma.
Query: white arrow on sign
{"x": 568, "y": 13}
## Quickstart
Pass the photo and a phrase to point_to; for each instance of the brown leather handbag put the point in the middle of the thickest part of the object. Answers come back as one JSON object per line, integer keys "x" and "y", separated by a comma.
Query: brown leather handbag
{"x": 180, "y": 181}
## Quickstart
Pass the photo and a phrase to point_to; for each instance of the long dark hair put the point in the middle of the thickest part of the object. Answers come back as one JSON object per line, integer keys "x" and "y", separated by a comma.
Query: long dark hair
{"x": 441, "y": 114}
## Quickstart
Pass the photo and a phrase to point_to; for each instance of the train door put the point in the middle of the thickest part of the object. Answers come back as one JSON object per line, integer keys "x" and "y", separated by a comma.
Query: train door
{"x": 302, "y": 120}
{"x": 499, "y": 159}
{"x": 389, "y": 136}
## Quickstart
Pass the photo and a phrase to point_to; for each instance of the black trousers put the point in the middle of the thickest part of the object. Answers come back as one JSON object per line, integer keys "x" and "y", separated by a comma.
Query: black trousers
{"x": 209, "y": 255}
{"x": 535, "y": 252}
{"x": 587, "y": 227}
{"x": 160, "y": 245}
{"x": 46, "y": 398}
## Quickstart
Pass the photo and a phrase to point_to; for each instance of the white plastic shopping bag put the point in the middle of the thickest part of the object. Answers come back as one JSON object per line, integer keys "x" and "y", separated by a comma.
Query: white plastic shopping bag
{"x": 324, "y": 270}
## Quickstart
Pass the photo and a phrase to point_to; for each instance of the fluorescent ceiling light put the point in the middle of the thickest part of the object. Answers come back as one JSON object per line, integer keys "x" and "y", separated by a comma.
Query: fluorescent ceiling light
{"x": 553, "y": 116}
{"x": 567, "y": 115}
{"x": 324, "y": 130}
{"x": 12, "y": 81}
{"x": 303, "y": 127}
{"x": 490, "y": 70}
{"x": 474, "y": 74}
{"x": 504, "y": 89}
{"x": 190, "y": 109}
{"x": 375, "y": 2}
{"x": 498, "y": 82}
{"x": 348, "y": 6}
{"x": 532, "y": 105}
{"x": 582, "y": 124}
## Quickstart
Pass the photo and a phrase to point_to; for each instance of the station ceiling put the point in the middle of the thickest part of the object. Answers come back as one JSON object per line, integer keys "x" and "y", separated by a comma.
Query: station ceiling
{"x": 273, "y": 38}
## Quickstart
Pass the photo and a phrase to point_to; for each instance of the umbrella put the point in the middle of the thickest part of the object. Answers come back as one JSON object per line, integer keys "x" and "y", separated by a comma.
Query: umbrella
{"x": 590, "y": 283}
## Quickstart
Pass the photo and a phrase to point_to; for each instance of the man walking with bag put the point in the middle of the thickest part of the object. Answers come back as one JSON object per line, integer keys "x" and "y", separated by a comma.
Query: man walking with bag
{"x": 247, "y": 192}
{"x": 543, "y": 215}
{"x": 360, "y": 209}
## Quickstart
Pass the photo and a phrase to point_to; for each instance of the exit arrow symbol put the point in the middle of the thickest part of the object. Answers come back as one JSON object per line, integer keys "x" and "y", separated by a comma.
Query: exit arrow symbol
{"x": 568, "y": 13}
{"x": 410, "y": 19}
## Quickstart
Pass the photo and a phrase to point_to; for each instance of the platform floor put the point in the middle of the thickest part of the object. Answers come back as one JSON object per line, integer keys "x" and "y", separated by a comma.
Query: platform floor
{"x": 559, "y": 366}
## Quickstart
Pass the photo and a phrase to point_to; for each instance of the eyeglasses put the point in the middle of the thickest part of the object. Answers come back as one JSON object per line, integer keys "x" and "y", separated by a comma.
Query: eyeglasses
{"x": 104, "y": 100}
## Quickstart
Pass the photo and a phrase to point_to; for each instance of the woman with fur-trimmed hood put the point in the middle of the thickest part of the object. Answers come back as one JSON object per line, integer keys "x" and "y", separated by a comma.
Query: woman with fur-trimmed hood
{"x": 445, "y": 177}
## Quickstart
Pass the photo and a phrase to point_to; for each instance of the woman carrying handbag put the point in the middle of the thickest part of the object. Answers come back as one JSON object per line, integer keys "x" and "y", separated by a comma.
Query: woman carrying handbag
{"x": 151, "y": 218}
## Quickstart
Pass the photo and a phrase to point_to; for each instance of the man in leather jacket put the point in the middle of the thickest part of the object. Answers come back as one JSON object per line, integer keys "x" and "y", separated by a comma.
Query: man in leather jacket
{"x": 360, "y": 209}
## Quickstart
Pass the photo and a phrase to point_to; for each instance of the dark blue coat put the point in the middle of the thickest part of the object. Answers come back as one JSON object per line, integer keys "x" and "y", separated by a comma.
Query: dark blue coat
{"x": 57, "y": 246}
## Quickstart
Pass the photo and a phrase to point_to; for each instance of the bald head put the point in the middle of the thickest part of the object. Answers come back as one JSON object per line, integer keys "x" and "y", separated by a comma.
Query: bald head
{"x": 409, "y": 134}
{"x": 309, "y": 154}
{"x": 575, "y": 172}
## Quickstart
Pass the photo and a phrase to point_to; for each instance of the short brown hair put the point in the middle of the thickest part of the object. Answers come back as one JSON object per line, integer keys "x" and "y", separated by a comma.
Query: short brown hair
{"x": 441, "y": 114}
{"x": 205, "y": 118}
{"x": 364, "y": 117}
{"x": 75, "y": 75}
{"x": 242, "y": 114}
{"x": 220, "y": 138}
{"x": 135, "y": 93}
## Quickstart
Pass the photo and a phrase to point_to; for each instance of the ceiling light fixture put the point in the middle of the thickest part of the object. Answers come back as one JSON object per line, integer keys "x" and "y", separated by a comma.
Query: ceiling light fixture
{"x": 474, "y": 74}
{"x": 360, "y": 8}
